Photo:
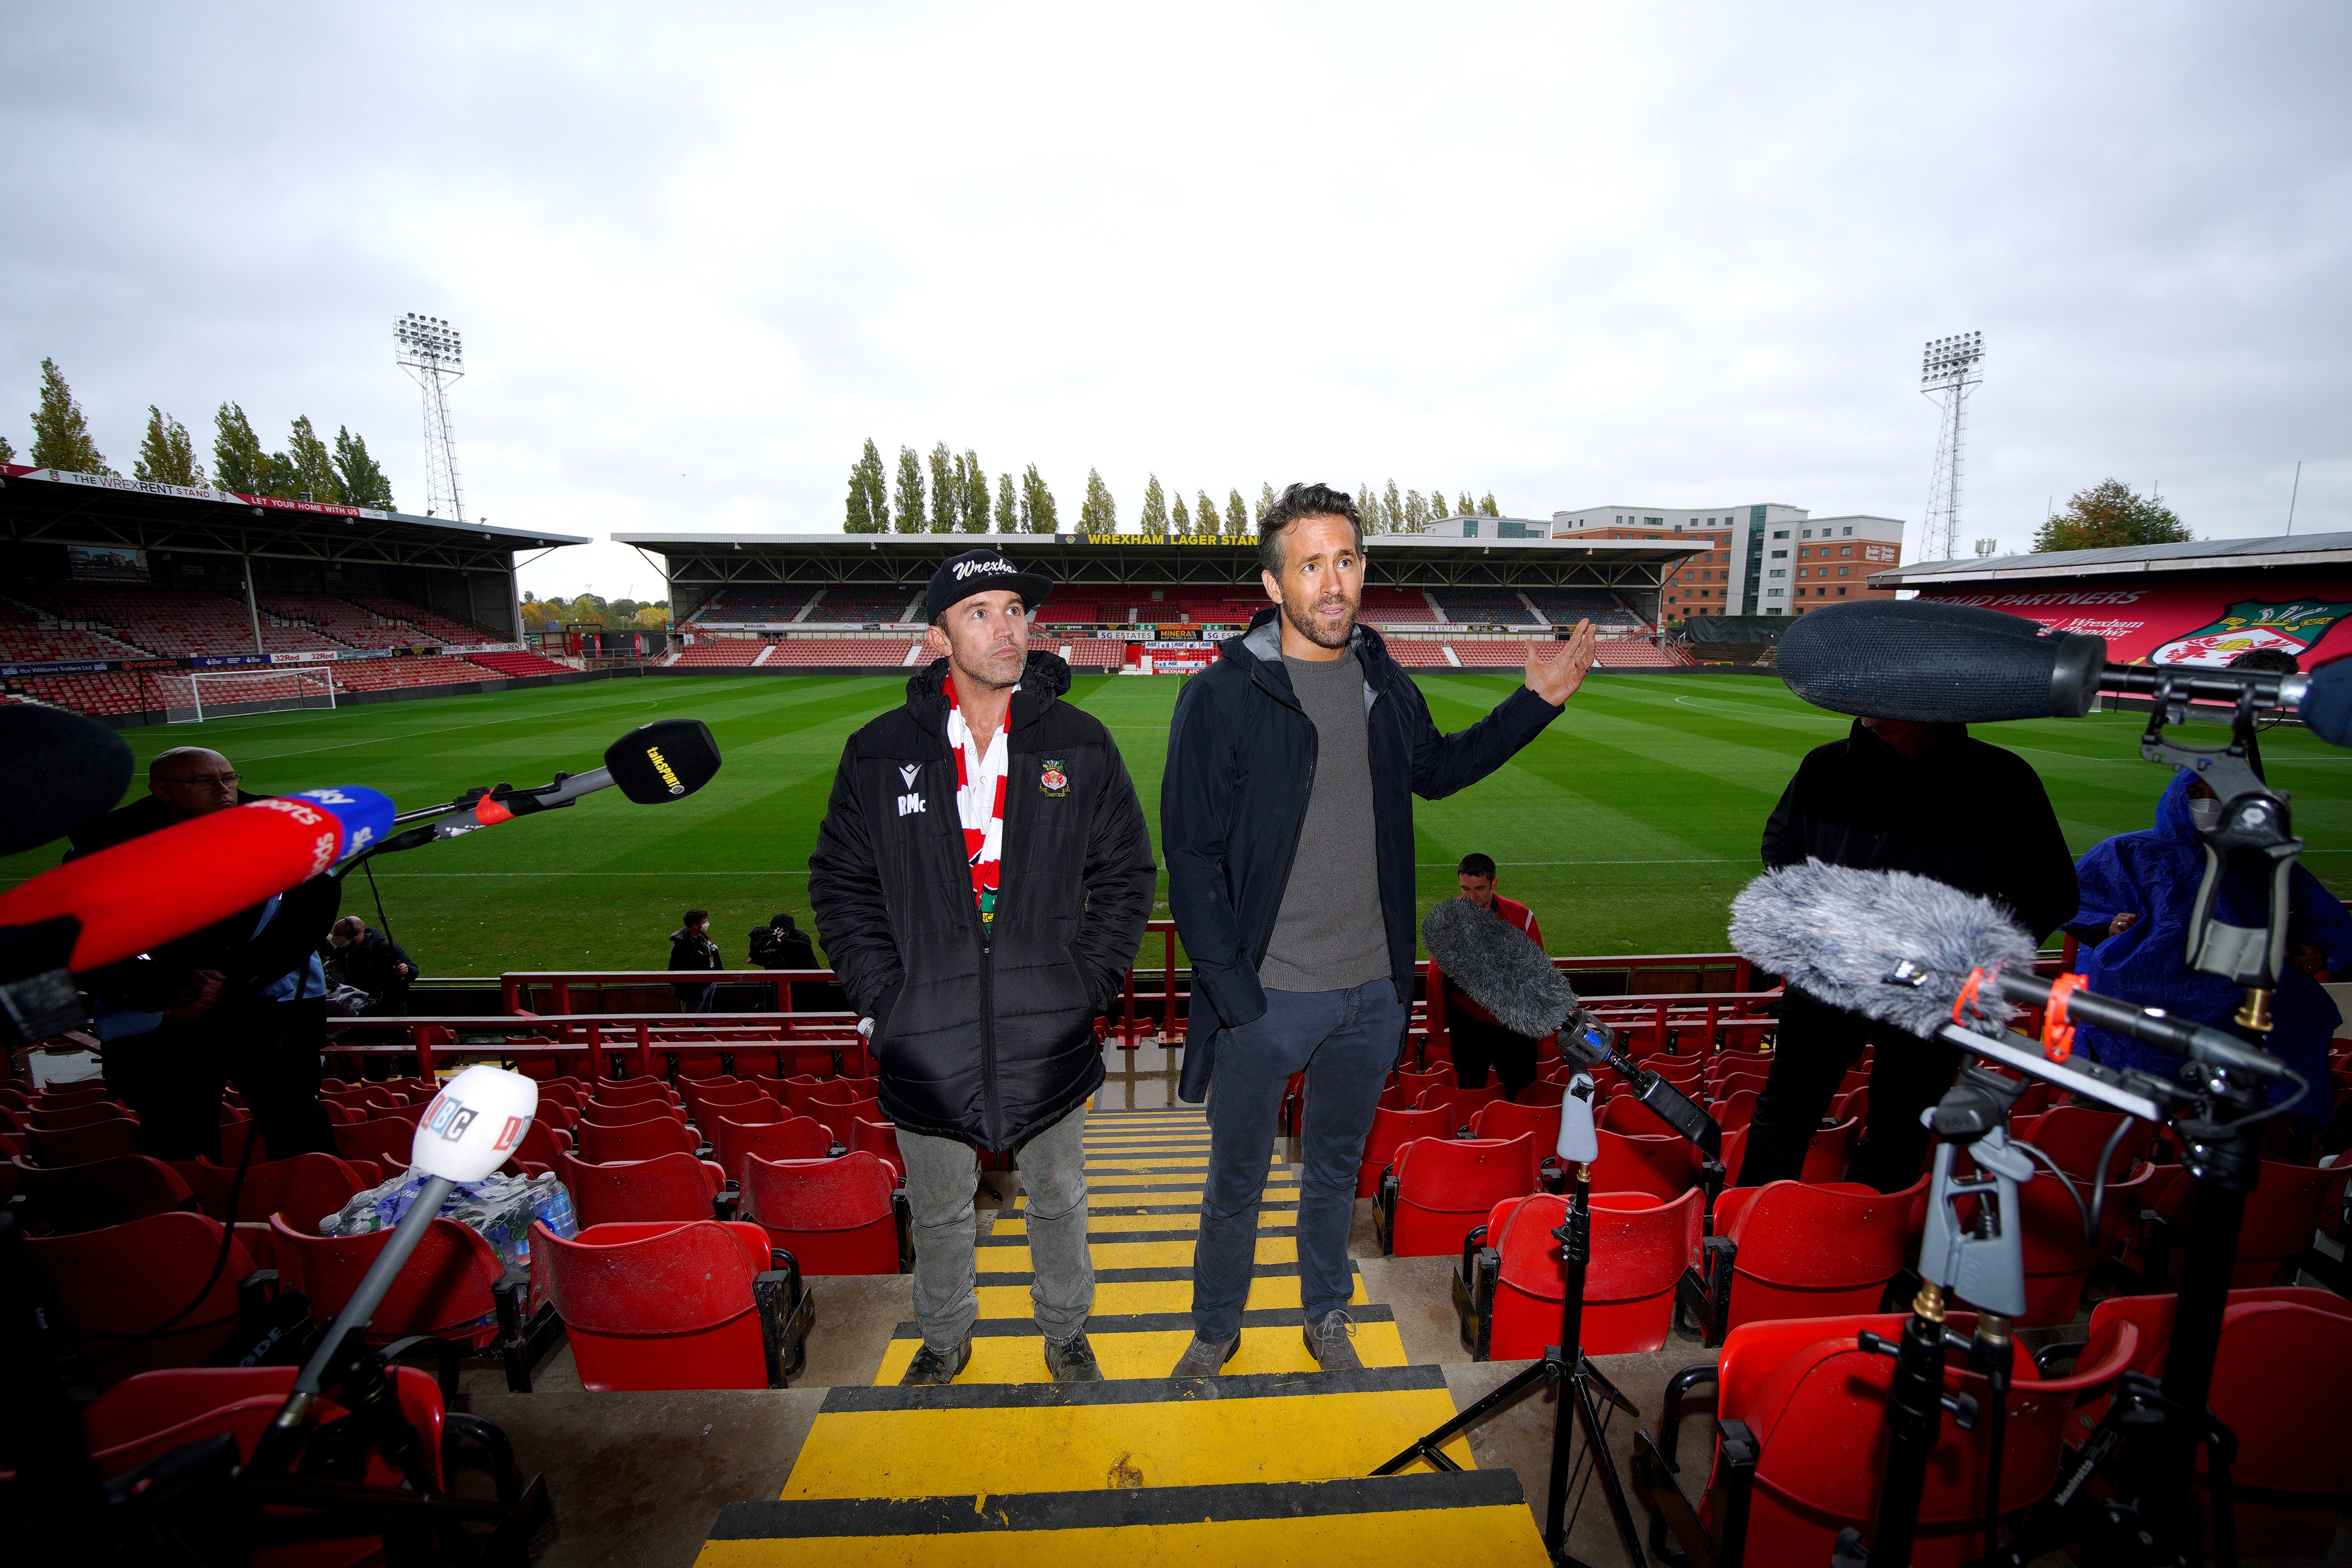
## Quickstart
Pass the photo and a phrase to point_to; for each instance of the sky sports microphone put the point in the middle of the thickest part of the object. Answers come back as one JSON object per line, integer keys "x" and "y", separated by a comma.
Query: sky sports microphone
{"x": 652, "y": 764}
{"x": 140, "y": 895}
{"x": 1955, "y": 664}
{"x": 1908, "y": 950}
{"x": 1511, "y": 977}
{"x": 57, "y": 771}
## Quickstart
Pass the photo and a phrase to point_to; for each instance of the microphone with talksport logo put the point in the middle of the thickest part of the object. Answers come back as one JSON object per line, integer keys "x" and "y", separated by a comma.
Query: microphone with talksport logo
{"x": 653, "y": 765}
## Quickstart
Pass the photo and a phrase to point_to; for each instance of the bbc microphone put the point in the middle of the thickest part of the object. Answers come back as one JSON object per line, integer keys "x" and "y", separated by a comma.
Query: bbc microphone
{"x": 140, "y": 895}
{"x": 1909, "y": 951}
{"x": 1916, "y": 660}
{"x": 58, "y": 771}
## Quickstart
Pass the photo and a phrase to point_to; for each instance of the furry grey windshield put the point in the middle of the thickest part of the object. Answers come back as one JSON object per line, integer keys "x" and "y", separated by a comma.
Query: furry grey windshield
{"x": 1505, "y": 973}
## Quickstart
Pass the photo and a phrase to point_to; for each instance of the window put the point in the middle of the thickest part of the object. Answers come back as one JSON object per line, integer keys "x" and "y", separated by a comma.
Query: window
{"x": 1783, "y": 534}
{"x": 1841, "y": 593}
{"x": 1844, "y": 569}
{"x": 1845, "y": 550}
{"x": 1779, "y": 554}
{"x": 1774, "y": 592}
{"x": 1849, "y": 533}
{"x": 1654, "y": 522}
{"x": 1778, "y": 572}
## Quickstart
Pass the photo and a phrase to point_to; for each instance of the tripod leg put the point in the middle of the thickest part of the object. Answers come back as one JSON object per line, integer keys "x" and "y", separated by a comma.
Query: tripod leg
{"x": 1603, "y": 1463}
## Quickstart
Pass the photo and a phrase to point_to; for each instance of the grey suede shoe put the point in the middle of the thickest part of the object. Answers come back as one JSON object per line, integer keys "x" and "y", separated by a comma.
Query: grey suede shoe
{"x": 1072, "y": 1361}
{"x": 1206, "y": 1357}
{"x": 930, "y": 1369}
{"x": 1330, "y": 1343}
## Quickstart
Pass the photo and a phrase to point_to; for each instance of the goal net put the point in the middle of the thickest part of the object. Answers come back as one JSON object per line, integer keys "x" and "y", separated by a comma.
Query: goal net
{"x": 220, "y": 692}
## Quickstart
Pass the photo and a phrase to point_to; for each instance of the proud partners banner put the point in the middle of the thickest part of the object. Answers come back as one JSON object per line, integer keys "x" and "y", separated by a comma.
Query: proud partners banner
{"x": 2201, "y": 623}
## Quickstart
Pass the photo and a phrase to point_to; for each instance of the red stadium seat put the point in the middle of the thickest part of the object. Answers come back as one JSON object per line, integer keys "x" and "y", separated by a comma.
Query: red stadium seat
{"x": 2073, "y": 1135}
{"x": 840, "y": 1117}
{"x": 453, "y": 1289}
{"x": 1510, "y": 1297}
{"x": 662, "y": 1306}
{"x": 305, "y": 1190}
{"x": 67, "y": 1198}
{"x": 1412, "y": 1083}
{"x": 2281, "y": 1219}
{"x": 671, "y": 1187}
{"x": 599, "y": 1114}
{"x": 1732, "y": 1114}
{"x": 386, "y": 1143}
{"x": 630, "y": 1091}
{"x": 1809, "y": 1406}
{"x": 1828, "y": 1152}
{"x": 2058, "y": 1259}
{"x": 1789, "y": 1251}
{"x": 61, "y": 1118}
{"x": 1391, "y": 1129}
{"x": 879, "y": 1139}
{"x": 111, "y": 1138}
{"x": 1663, "y": 1166}
{"x": 835, "y": 1216}
{"x": 1460, "y": 1104}
{"x": 1440, "y": 1187}
{"x": 599, "y": 1144}
{"x": 1504, "y": 1119}
{"x": 170, "y": 1257}
{"x": 794, "y": 1138}
{"x": 540, "y": 1144}
{"x": 797, "y": 1090}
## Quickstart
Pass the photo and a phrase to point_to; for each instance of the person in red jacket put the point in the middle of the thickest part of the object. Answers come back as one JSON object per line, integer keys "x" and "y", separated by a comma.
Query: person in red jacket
{"x": 1480, "y": 1042}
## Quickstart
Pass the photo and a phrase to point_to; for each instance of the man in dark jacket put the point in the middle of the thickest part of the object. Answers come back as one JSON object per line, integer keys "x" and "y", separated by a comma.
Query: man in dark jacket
{"x": 690, "y": 947}
{"x": 242, "y": 1001}
{"x": 981, "y": 881}
{"x": 375, "y": 963}
{"x": 1897, "y": 796}
{"x": 1287, "y": 818}
{"x": 781, "y": 945}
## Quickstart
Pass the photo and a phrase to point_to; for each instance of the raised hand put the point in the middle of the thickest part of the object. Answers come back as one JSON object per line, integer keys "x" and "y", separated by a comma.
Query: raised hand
{"x": 1556, "y": 679}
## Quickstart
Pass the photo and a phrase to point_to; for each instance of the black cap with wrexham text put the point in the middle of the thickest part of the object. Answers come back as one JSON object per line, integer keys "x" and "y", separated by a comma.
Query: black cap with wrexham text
{"x": 981, "y": 571}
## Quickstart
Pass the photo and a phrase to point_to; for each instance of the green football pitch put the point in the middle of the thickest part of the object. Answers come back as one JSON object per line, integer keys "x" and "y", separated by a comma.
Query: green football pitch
{"x": 1628, "y": 825}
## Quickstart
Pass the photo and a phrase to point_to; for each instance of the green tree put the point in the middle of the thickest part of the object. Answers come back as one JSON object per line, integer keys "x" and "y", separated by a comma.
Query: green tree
{"x": 587, "y": 610}
{"x": 2110, "y": 515}
{"x": 167, "y": 455}
{"x": 362, "y": 482}
{"x": 1237, "y": 517}
{"x": 61, "y": 434}
{"x": 239, "y": 462}
{"x": 945, "y": 504}
{"x": 972, "y": 483}
{"x": 1038, "y": 513}
{"x": 1487, "y": 507}
{"x": 1265, "y": 499}
{"x": 867, "y": 511}
{"x": 313, "y": 463}
{"x": 1438, "y": 507}
{"x": 650, "y": 617}
{"x": 1097, "y": 514}
{"x": 1463, "y": 506}
{"x": 1180, "y": 516}
{"x": 1153, "y": 518}
{"x": 1392, "y": 509}
{"x": 1416, "y": 512}
{"x": 1368, "y": 509}
{"x": 1206, "y": 510}
{"x": 7, "y": 453}
{"x": 1008, "y": 505}
{"x": 910, "y": 499}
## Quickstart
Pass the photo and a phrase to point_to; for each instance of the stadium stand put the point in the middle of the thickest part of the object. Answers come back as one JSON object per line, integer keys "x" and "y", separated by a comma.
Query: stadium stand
{"x": 721, "y": 650}
{"x": 175, "y": 620}
{"x": 1567, "y": 606}
{"x": 1392, "y": 607}
{"x": 1487, "y": 653}
{"x": 842, "y": 651}
{"x": 1093, "y": 653}
{"x": 1486, "y": 606}
{"x": 436, "y": 627}
{"x": 1632, "y": 653}
{"x": 1419, "y": 653}
{"x": 518, "y": 663}
{"x": 839, "y": 607}
{"x": 390, "y": 674}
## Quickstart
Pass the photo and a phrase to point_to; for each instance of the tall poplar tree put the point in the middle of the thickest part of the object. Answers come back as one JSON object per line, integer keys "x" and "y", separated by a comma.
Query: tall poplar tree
{"x": 1416, "y": 512}
{"x": 1097, "y": 514}
{"x": 1237, "y": 517}
{"x": 7, "y": 453}
{"x": 61, "y": 434}
{"x": 867, "y": 511}
{"x": 363, "y": 482}
{"x": 1368, "y": 509}
{"x": 909, "y": 502}
{"x": 1463, "y": 506}
{"x": 1392, "y": 507}
{"x": 1487, "y": 506}
{"x": 1008, "y": 505}
{"x": 1153, "y": 518}
{"x": 1038, "y": 513}
{"x": 167, "y": 455}
{"x": 313, "y": 465}
{"x": 944, "y": 501}
{"x": 1180, "y": 516}
{"x": 1265, "y": 499}
{"x": 239, "y": 462}
{"x": 1211, "y": 523}
{"x": 972, "y": 491}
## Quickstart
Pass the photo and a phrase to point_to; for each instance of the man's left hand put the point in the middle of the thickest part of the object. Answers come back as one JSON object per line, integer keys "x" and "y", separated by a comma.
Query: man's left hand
{"x": 1556, "y": 679}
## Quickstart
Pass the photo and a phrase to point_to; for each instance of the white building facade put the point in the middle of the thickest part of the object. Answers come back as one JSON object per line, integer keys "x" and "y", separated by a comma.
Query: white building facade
{"x": 1760, "y": 559}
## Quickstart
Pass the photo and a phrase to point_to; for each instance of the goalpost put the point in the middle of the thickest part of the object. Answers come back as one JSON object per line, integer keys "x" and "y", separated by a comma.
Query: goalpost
{"x": 254, "y": 691}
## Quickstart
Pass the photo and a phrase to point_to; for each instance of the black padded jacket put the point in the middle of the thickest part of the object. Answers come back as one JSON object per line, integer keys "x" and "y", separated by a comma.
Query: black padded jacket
{"x": 1241, "y": 767}
{"x": 984, "y": 1034}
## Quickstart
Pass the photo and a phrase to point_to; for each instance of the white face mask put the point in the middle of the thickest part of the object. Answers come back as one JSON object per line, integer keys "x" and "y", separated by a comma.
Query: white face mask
{"x": 2206, "y": 814}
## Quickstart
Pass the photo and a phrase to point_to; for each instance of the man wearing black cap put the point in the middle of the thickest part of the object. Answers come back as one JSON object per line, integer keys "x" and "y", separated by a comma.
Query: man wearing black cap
{"x": 982, "y": 1001}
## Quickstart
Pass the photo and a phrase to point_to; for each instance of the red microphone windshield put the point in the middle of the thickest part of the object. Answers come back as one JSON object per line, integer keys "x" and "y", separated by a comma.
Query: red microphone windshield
{"x": 140, "y": 895}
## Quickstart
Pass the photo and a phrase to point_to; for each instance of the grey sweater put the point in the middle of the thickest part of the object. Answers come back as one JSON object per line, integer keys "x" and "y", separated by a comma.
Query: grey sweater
{"x": 1330, "y": 936}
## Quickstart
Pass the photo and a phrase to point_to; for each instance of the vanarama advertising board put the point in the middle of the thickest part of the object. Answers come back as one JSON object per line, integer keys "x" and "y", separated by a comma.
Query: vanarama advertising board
{"x": 2201, "y": 623}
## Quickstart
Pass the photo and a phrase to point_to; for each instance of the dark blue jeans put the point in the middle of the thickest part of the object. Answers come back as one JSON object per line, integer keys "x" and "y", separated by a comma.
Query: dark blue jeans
{"x": 1344, "y": 1041}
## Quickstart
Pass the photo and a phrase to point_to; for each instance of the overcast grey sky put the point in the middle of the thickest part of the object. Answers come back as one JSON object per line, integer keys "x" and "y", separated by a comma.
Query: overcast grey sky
{"x": 1674, "y": 255}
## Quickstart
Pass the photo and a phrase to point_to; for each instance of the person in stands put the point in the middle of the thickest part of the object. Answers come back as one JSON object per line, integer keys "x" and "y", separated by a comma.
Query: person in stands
{"x": 241, "y": 1001}
{"x": 375, "y": 963}
{"x": 982, "y": 880}
{"x": 690, "y": 947}
{"x": 1897, "y": 796}
{"x": 1479, "y": 1041}
{"x": 781, "y": 945}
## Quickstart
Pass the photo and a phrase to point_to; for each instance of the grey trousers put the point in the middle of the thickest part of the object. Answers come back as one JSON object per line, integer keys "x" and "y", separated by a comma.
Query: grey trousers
{"x": 943, "y": 1174}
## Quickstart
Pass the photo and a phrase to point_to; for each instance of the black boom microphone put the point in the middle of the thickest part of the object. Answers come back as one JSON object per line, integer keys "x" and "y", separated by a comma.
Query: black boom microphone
{"x": 1511, "y": 977}
{"x": 652, "y": 764}
{"x": 57, "y": 771}
{"x": 1954, "y": 663}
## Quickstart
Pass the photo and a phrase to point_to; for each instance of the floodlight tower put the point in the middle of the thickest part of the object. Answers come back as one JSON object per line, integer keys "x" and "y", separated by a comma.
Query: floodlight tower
{"x": 1947, "y": 369}
{"x": 433, "y": 355}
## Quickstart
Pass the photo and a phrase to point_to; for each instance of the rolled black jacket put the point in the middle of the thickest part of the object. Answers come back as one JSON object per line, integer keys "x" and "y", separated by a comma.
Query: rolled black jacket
{"x": 984, "y": 1033}
{"x": 1241, "y": 766}
{"x": 1969, "y": 814}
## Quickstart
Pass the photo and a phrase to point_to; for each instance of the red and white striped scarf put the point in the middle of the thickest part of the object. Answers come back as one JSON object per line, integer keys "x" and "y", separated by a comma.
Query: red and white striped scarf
{"x": 980, "y": 802}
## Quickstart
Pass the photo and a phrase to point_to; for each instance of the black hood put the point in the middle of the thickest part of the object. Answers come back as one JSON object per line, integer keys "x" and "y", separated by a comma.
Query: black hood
{"x": 1043, "y": 681}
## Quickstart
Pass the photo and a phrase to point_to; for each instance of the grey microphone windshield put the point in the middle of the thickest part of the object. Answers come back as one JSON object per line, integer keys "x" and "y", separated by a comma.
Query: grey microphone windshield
{"x": 1505, "y": 973}
{"x": 1937, "y": 663}
{"x": 1839, "y": 933}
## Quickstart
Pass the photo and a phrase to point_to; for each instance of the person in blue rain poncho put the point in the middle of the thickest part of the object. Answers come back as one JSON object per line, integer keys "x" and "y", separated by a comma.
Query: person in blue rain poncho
{"x": 2138, "y": 892}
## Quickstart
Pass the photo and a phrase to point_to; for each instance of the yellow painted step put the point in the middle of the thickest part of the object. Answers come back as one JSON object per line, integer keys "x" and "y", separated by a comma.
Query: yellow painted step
{"x": 1284, "y": 1427}
{"x": 1274, "y": 1348}
{"x": 1102, "y": 1224}
{"x": 1174, "y": 1294}
{"x": 1014, "y": 1259}
{"x": 1389, "y": 1521}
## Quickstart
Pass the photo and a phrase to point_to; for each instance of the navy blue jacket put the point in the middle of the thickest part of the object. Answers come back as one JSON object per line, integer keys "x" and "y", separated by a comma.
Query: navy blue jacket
{"x": 1241, "y": 766}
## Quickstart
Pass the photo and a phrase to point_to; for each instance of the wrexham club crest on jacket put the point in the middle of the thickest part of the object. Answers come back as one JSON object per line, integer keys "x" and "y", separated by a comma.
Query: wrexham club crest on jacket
{"x": 2293, "y": 627}
{"x": 1052, "y": 779}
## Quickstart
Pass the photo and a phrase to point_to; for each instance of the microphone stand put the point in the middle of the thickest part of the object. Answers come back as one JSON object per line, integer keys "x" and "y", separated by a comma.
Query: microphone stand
{"x": 1573, "y": 1378}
